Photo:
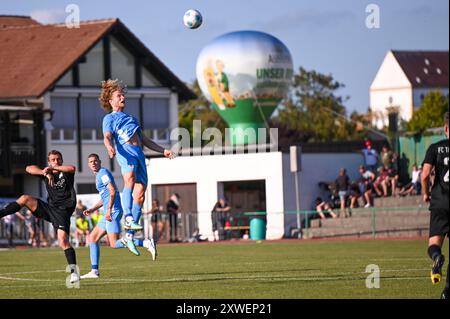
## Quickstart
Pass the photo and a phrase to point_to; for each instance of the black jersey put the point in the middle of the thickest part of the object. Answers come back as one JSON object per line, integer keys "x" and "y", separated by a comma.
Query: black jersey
{"x": 61, "y": 194}
{"x": 437, "y": 155}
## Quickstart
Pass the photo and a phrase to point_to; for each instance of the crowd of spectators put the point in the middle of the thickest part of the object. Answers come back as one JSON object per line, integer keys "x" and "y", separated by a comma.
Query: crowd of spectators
{"x": 377, "y": 177}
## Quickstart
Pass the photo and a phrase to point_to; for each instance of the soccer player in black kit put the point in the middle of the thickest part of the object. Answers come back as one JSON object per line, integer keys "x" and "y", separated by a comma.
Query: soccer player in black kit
{"x": 437, "y": 158}
{"x": 61, "y": 203}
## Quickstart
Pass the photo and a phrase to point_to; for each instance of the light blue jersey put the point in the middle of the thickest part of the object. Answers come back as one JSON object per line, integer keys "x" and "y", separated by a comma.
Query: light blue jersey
{"x": 102, "y": 179}
{"x": 121, "y": 125}
{"x": 130, "y": 157}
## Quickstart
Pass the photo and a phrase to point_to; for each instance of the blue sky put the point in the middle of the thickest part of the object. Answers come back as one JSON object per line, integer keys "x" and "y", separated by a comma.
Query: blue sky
{"x": 326, "y": 35}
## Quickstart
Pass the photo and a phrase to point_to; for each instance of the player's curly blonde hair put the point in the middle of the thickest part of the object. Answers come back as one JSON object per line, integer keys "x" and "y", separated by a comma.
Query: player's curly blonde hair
{"x": 108, "y": 88}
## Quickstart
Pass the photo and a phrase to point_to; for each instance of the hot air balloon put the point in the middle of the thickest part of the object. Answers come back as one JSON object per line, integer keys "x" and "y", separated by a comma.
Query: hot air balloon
{"x": 245, "y": 75}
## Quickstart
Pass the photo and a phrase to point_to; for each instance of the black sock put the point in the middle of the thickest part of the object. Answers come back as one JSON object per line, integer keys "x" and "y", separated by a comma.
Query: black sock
{"x": 11, "y": 208}
{"x": 434, "y": 251}
{"x": 71, "y": 258}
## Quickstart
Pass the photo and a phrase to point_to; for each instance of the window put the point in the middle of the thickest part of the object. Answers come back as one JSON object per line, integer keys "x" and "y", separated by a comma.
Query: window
{"x": 122, "y": 63}
{"x": 91, "y": 118}
{"x": 148, "y": 79}
{"x": 21, "y": 127}
{"x": 156, "y": 118}
{"x": 161, "y": 135}
{"x": 156, "y": 113}
{"x": 67, "y": 79}
{"x": 132, "y": 108}
{"x": 64, "y": 118}
{"x": 92, "y": 69}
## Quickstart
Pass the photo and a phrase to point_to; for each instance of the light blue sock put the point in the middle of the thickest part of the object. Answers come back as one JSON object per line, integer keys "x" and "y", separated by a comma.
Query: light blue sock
{"x": 95, "y": 255}
{"x": 137, "y": 243}
{"x": 127, "y": 200}
{"x": 119, "y": 244}
{"x": 136, "y": 211}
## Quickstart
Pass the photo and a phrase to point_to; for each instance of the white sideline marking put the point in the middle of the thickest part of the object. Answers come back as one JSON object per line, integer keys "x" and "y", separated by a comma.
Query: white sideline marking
{"x": 107, "y": 282}
{"x": 23, "y": 279}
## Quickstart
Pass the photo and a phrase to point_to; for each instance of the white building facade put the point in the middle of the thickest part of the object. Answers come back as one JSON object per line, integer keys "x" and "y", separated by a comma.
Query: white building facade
{"x": 207, "y": 175}
{"x": 403, "y": 80}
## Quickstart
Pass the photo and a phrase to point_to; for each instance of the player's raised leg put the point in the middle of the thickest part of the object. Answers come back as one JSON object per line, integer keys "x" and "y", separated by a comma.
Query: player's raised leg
{"x": 129, "y": 178}
{"x": 25, "y": 200}
{"x": 139, "y": 197}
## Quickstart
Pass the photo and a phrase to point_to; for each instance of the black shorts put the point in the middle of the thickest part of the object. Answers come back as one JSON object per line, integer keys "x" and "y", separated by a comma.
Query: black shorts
{"x": 439, "y": 222}
{"x": 59, "y": 217}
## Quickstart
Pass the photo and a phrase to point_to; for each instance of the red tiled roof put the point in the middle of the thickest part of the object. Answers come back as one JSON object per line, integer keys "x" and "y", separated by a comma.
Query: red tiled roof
{"x": 35, "y": 56}
{"x": 428, "y": 69}
{"x": 15, "y": 21}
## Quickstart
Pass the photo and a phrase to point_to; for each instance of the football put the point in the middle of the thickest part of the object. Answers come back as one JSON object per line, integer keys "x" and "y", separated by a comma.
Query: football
{"x": 192, "y": 19}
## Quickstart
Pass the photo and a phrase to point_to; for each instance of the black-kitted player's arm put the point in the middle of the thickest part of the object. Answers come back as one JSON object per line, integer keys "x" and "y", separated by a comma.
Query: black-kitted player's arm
{"x": 36, "y": 170}
{"x": 425, "y": 180}
{"x": 63, "y": 168}
{"x": 155, "y": 147}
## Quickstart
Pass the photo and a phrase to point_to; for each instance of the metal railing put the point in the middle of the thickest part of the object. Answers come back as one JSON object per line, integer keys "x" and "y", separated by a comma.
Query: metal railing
{"x": 160, "y": 227}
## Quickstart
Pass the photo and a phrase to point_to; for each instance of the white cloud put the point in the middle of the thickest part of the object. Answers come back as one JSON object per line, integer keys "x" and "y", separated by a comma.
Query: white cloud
{"x": 45, "y": 16}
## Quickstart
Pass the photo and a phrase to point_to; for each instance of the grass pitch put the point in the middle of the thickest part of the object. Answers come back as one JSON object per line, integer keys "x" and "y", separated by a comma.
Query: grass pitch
{"x": 244, "y": 270}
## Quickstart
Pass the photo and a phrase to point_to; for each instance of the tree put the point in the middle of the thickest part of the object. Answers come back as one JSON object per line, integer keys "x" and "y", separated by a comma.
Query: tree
{"x": 315, "y": 108}
{"x": 430, "y": 114}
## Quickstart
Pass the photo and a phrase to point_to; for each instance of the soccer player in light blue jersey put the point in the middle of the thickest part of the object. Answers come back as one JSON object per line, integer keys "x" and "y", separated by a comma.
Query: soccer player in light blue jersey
{"x": 110, "y": 223}
{"x": 124, "y": 130}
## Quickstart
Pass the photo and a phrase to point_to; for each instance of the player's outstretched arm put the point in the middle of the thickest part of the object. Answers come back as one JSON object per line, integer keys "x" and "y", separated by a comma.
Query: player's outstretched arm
{"x": 157, "y": 148}
{"x": 93, "y": 208}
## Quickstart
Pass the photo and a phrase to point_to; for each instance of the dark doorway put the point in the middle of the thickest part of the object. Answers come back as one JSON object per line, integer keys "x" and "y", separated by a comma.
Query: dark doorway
{"x": 244, "y": 197}
{"x": 186, "y": 219}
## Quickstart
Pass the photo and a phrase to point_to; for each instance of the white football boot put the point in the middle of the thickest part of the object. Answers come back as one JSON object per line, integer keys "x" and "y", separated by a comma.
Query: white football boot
{"x": 151, "y": 247}
{"x": 93, "y": 274}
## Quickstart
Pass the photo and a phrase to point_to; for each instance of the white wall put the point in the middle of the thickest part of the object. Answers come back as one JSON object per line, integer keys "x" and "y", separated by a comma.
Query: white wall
{"x": 390, "y": 81}
{"x": 379, "y": 101}
{"x": 208, "y": 171}
{"x": 315, "y": 168}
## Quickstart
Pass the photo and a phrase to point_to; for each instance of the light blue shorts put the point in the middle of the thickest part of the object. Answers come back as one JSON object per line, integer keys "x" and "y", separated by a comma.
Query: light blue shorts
{"x": 112, "y": 227}
{"x": 132, "y": 158}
